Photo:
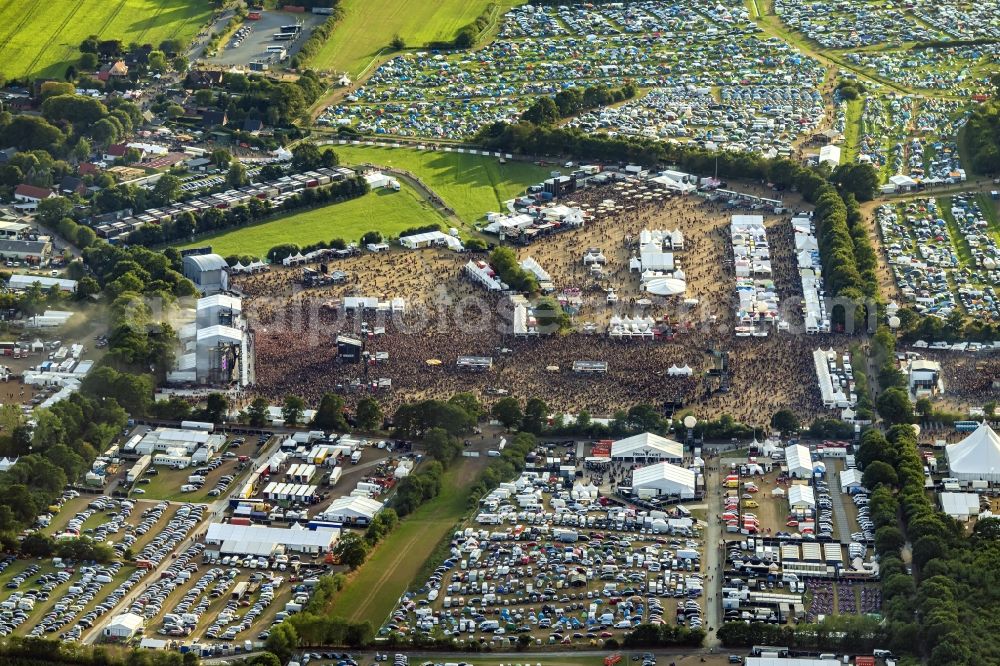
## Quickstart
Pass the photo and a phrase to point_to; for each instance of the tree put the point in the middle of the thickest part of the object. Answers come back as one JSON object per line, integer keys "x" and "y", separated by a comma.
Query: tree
{"x": 441, "y": 445}
{"x": 221, "y": 157}
{"x": 550, "y": 316}
{"x": 368, "y": 414}
{"x": 271, "y": 172}
{"x": 131, "y": 156}
{"x": 469, "y": 404}
{"x": 237, "y": 175}
{"x": 924, "y": 407}
{"x": 85, "y": 237}
{"x": 785, "y": 421}
{"x": 157, "y": 62}
{"x": 51, "y": 210}
{"x": 37, "y": 544}
{"x": 88, "y": 62}
{"x": 508, "y": 412}
{"x": 888, "y": 539}
{"x": 179, "y": 63}
{"x": 257, "y": 413}
{"x": 351, "y": 550}
{"x": 543, "y": 112}
{"x": 282, "y": 639}
{"x": 894, "y": 406}
{"x": 216, "y": 406}
{"x": 330, "y": 413}
{"x": 292, "y": 410}
{"x": 397, "y": 43}
{"x": 306, "y": 156}
{"x": 167, "y": 189}
{"x": 536, "y": 414}
{"x": 877, "y": 473}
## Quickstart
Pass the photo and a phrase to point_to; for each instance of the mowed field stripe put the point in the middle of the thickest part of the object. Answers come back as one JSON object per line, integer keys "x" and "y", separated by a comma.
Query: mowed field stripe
{"x": 17, "y": 28}
{"x": 58, "y": 31}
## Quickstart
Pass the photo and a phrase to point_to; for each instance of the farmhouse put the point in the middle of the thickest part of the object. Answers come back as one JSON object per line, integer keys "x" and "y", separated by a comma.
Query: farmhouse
{"x": 647, "y": 447}
{"x": 228, "y": 539}
{"x": 27, "y": 197}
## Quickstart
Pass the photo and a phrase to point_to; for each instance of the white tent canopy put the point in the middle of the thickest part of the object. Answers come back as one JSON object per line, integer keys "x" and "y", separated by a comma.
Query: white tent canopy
{"x": 977, "y": 457}
{"x": 647, "y": 446}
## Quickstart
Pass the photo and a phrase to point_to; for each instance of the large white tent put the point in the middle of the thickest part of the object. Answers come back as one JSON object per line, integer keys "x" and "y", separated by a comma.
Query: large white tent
{"x": 647, "y": 446}
{"x": 665, "y": 286}
{"x": 663, "y": 479}
{"x": 977, "y": 457}
{"x": 799, "y": 461}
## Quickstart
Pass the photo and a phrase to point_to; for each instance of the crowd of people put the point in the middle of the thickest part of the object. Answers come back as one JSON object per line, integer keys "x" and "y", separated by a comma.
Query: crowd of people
{"x": 447, "y": 316}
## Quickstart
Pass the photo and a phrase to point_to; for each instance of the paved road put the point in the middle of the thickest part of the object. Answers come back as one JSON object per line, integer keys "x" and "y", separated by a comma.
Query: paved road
{"x": 840, "y": 518}
{"x": 713, "y": 560}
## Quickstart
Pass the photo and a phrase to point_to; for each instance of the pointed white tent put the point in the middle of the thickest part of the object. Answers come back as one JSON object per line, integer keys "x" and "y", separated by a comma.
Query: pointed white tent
{"x": 977, "y": 457}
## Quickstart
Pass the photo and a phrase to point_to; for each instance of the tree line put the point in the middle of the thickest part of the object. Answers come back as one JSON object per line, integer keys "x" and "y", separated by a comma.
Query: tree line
{"x": 210, "y": 220}
{"x": 941, "y": 613}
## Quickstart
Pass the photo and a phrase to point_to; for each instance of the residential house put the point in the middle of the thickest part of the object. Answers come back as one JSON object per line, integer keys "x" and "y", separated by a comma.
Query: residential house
{"x": 253, "y": 125}
{"x": 28, "y": 196}
{"x": 116, "y": 70}
{"x": 204, "y": 78}
{"x": 212, "y": 118}
{"x": 72, "y": 185}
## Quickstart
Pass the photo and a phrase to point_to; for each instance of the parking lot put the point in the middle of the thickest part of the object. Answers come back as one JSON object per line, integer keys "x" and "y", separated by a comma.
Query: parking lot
{"x": 51, "y": 597}
{"x": 251, "y": 40}
{"x": 944, "y": 254}
{"x": 554, "y": 562}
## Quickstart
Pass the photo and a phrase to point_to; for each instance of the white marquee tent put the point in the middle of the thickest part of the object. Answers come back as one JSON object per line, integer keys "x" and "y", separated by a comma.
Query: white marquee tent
{"x": 977, "y": 457}
{"x": 664, "y": 479}
{"x": 647, "y": 446}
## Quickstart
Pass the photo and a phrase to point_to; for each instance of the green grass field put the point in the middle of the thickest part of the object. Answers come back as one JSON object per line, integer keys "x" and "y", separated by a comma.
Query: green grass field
{"x": 472, "y": 185}
{"x": 41, "y": 38}
{"x": 367, "y": 28}
{"x": 387, "y": 211}
{"x": 852, "y": 131}
{"x": 372, "y": 592}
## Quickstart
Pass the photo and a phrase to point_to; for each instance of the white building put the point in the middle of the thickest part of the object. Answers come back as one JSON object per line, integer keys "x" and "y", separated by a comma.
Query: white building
{"x": 799, "y": 461}
{"x": 647, "y": 447}
{"x": 266, "y": 541}
{"x": 173, "y": 439}
{"x": 663, "y": 479}
{"x": 924, "y": 377}
{"x": 353, "y": 510}
{"x": 123, "y": 627}
{"x": 209, "y": 272}
{"x": 431, "y": 239}
{"x": 830, "y": 155}
{"x": 20, "y": 282}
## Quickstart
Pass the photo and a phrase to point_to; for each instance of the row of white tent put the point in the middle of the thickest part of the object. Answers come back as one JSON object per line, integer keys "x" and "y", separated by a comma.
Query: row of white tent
{"x": 256, "y": 266}
{"x": 815, "y": 316}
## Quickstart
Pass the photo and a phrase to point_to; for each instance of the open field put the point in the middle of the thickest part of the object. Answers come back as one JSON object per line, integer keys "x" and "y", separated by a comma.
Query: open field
{"x": 471, "y": 185}
{"x": 387, "y": 211}
{"x": 372, "y": 592}
{"x": 41, "y": 38}
{"x": 366, "y": 29}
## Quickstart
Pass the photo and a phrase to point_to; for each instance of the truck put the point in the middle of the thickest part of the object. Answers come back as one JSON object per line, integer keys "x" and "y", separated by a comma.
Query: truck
{"x": 334, "y": 476}
{"x": 203, "y": 426}
{"x": 356, "y": 457}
